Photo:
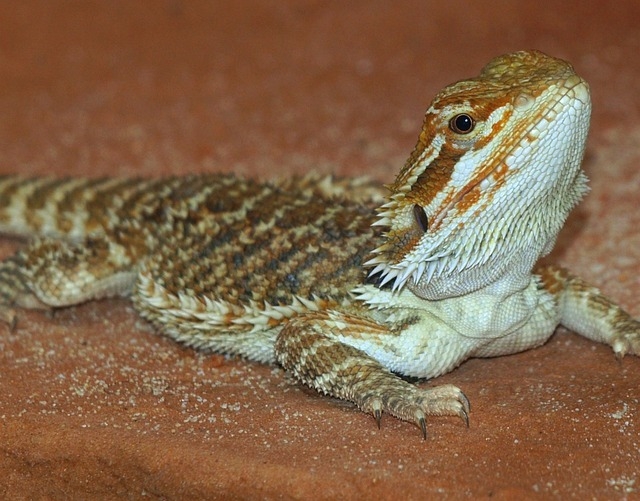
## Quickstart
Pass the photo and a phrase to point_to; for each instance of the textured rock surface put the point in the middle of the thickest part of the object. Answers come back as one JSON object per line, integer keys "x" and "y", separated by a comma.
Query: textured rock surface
{"x": 94, "y": 405}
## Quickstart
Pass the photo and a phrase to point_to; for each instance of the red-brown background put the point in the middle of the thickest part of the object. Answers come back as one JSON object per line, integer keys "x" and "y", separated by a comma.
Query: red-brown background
{"x": 94, "y": 405}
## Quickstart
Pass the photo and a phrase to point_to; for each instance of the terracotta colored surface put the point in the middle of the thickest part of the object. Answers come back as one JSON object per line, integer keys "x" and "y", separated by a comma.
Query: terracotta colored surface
{"x": 94, "y": 405}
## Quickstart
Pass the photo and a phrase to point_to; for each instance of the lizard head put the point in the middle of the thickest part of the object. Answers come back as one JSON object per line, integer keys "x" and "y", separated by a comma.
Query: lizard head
{"x": 491, "y": 180}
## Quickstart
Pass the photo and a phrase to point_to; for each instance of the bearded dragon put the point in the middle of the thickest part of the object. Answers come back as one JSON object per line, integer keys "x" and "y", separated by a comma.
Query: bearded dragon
{"x": 346, "y": 286}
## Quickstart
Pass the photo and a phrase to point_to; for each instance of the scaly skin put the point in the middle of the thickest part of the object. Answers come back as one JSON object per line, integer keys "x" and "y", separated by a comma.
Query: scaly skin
{"x": 307, "y": 274}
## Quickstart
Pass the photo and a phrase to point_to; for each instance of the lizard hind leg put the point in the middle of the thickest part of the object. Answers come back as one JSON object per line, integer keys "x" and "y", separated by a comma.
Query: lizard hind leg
{"x": 52, "y": 274}
{"x": 310, "y": 348}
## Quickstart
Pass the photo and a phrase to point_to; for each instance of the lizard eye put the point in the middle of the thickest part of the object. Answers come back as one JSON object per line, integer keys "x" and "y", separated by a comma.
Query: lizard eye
{"x": 462, "y": 124}
{"x": 421, "y": 218}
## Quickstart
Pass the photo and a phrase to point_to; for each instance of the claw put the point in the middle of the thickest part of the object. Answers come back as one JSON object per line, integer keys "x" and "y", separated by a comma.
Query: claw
{"x": 423, "y": 426}
{"x": 465, "y": 403}
{"x": 466, "y": 408}
{"x": 377, "y": 413}
{"x": 619, "y": 349}
{"x": 464, "y": 416}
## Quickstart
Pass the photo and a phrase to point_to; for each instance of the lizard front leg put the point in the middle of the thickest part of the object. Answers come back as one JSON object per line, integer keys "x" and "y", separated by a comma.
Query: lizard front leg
{"x": 584, "y": 310}
{"x": 314, "y": 348}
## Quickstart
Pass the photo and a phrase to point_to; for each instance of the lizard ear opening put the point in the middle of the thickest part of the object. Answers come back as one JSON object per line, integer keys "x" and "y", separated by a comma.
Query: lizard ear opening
{"x": 421, "y": 218}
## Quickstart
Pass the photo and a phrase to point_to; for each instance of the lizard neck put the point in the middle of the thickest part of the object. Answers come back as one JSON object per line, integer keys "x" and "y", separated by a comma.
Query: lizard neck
{"x": 491, "y": 311}
{"x": 501, "y": 278}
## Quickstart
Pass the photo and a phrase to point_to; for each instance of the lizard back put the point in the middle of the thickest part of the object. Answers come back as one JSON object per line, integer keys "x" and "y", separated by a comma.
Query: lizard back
{"x": 213, "y": 235}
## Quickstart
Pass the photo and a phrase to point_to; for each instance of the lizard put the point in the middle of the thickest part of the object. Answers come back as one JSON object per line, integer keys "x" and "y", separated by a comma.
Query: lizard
{"x": 350, "y": 287}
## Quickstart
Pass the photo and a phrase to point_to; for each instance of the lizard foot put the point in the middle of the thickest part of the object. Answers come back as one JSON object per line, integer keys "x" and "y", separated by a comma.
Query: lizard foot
{"x": 8, "y": 317}
{"x": 626, "y": 340}
{"x": 415, "y": 404}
